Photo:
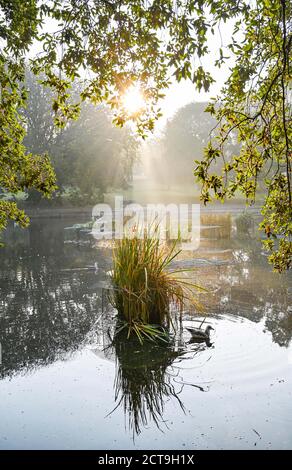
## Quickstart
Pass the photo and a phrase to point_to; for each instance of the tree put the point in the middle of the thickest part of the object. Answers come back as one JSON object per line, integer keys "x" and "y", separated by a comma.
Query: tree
{"x": 93, "y": 155}
{"x": 18, "y": 169}
{"x": 184, "y": 138}
{"x": 119, "y": 43}
{"x": 41, "y": 133}
{"x": 90, "y": 154}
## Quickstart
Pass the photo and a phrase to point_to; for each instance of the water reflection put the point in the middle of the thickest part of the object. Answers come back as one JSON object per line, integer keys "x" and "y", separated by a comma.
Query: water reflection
{"x": 144, "y": 381}
{"x": 206, "y": 341}
{"x": 46, "y": 312}
{"x": 39, "y": 325}
{"x": 50, "y": 302}
{"x": 240, "y": 281}
{"x": 148, "y": 376}
{"x": 49, "y": 299}
{"x": 247, "y": 287}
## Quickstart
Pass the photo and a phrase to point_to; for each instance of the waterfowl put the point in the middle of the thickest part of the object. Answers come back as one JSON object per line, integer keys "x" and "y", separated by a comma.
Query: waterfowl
{"x": 198, "y": 333}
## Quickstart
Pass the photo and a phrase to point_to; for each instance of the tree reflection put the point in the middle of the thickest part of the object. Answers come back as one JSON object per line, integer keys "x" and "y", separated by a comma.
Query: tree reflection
{"x": 47, "y": 306}
{"x": 246, "y": 286}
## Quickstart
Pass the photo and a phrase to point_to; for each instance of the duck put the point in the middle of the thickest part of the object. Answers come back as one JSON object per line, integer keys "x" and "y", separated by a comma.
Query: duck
{"x": 94, "y": 268}
{"x": 198, "y": 333}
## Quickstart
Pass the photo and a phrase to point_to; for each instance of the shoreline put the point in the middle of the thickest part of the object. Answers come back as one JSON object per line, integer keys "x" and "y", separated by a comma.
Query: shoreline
{"x": 62, "y": 212}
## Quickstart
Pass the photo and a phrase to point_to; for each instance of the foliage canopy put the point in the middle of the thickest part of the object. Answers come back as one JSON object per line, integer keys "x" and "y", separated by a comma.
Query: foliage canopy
{"x": 120, "y": 42}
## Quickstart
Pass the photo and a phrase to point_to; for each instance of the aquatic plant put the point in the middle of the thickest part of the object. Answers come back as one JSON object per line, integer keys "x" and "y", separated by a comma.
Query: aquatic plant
{"x": 145, "y": 287}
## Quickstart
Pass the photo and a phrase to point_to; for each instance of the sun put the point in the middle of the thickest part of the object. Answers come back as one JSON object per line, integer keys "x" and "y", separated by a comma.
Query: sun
{"x": 133, "y": 100}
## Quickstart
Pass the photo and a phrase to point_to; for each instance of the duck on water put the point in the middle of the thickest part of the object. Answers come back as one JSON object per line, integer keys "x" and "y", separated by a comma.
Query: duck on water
{"x": 199, "y": 333}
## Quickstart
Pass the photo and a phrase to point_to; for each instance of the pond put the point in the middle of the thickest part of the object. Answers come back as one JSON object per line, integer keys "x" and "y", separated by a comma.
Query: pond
{"x": 64, "y": 385}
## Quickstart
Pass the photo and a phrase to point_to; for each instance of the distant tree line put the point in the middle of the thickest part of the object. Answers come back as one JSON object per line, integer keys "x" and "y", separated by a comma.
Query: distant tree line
{"x": 183, "y": 140}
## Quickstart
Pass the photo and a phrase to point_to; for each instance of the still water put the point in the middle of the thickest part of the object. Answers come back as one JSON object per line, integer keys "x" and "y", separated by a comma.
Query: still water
{"x": 64, "y": 385}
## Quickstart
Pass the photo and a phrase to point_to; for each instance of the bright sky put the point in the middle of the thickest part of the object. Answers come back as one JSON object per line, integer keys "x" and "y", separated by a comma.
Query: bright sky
{"x": 180, "y": 94}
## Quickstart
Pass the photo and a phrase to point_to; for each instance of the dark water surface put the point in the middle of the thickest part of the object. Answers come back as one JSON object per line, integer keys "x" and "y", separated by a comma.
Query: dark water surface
{"x": 62, "y": 385}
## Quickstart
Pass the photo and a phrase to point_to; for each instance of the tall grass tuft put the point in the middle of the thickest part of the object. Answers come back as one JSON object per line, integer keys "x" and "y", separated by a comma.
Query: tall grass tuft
{"x": 145, "y": 287}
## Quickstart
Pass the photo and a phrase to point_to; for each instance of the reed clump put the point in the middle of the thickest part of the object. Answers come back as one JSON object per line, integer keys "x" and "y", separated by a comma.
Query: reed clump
{"x": 145, "y": 286}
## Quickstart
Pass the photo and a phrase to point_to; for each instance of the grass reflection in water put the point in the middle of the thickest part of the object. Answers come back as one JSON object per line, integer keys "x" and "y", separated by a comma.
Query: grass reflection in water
{"x": 147, "y": 377}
